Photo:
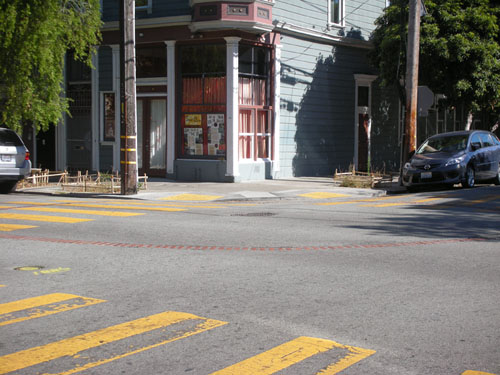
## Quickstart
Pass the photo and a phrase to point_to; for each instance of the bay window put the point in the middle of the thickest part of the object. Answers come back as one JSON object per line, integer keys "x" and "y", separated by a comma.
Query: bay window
{"x": 255, "y": 112}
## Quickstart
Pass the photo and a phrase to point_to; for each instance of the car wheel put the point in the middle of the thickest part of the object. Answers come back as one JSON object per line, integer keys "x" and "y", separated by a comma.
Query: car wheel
{"x": 496, "y": 180}
{"x": 6, "y": 187}
{"x": 470, "y": 177}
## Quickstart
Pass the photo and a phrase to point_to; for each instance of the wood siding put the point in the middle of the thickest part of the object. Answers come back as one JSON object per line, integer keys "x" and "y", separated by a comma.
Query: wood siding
{"x": 313, "y": 14}
{"x": 161, "y": 8}
{"x": 317, "y": 106}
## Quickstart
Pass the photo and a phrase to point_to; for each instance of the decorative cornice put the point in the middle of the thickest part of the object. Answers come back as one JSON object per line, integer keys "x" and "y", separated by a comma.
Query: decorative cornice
{"x": 255, "y": 27}
{"x": 286, "y": 28}
{"x": 267, "y": 2}
{"x": 142, "y": 23}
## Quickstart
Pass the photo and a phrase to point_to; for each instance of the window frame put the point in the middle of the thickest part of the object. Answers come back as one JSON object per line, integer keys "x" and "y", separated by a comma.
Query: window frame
{"x": 256, "y": 109}
{"x": 148, "y": 7}
{"x": 341, "y": 14}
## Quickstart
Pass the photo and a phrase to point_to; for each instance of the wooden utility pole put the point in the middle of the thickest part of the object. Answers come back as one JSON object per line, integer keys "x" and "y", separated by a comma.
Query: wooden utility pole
{"x": 128, "y": 126}
{"x": 412, "y": 56}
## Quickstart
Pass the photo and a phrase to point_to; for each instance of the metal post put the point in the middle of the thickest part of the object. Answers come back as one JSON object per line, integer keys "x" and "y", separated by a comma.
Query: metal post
{"x": 128, "y": 125}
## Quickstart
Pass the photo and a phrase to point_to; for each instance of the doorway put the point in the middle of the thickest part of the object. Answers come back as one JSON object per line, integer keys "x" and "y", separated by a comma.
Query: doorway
{"x": 151, "y": 136}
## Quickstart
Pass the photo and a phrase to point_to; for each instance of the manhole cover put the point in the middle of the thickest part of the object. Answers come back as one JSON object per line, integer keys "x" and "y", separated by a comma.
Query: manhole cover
{"x": 254, "y": 214}
{"x": 28, "y": 268}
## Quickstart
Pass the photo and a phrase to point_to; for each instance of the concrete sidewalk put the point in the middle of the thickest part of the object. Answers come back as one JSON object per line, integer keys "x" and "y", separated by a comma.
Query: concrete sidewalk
{"x": 291, "y": 188}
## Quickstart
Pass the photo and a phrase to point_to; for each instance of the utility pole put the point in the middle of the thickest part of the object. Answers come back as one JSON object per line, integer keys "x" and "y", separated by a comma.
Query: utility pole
{"x": 412, "y": 56}
{"x": 128, "y": 126}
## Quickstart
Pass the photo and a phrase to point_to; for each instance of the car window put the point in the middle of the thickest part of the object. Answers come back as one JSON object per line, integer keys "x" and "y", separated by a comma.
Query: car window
{"x": 449, "y": 143}
{"x": 475, "y": 141}
{"x": 9, "y": 138}
{"x": 495, "y": 140}
{"x": 486, "y": 139}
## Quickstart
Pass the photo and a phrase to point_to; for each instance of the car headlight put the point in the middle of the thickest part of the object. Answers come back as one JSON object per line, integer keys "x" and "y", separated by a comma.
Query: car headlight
{"x": 455, "y": 161}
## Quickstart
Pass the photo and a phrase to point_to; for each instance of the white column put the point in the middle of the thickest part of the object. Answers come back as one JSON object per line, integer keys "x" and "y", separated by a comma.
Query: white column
{"x": 115, "y": 48}
{"x": 170, "y": 106}
{"x": 95, "y": 112}
{"x": 232, "y": 168}
{"x": 276, "y": 109}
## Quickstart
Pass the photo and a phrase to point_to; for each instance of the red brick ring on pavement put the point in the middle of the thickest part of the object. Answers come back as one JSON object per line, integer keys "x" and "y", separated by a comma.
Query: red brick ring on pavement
{"x": 237, "y": 248}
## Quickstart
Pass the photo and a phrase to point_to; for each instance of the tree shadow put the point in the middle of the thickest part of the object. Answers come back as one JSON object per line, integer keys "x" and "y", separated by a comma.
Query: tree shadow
{"x": 461, "y": 217}
{"x": 325, "y": 127}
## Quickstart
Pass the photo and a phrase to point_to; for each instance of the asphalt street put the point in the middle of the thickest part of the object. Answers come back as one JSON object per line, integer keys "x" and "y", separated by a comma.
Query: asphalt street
{"x": 316, "y": 282}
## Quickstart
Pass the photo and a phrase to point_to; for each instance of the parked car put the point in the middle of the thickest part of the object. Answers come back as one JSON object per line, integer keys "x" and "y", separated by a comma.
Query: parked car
{"x": 15, "y": 161}
{"x": 457, "y": 157}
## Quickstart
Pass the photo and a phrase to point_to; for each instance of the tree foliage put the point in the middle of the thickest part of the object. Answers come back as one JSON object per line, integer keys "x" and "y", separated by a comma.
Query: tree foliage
{"x": 459, "y": 50}
{"x": 34, "y": 38}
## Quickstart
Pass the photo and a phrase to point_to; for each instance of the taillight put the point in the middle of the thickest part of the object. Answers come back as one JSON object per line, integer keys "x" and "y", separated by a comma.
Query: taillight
{"x": 27, "y": 157}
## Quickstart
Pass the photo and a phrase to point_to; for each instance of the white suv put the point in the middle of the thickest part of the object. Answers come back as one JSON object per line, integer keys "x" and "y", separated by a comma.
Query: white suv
{"x": 15, "y": 161}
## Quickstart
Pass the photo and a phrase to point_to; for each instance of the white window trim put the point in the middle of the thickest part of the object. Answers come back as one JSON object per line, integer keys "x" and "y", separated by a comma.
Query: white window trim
{"x": 342, "y": 14}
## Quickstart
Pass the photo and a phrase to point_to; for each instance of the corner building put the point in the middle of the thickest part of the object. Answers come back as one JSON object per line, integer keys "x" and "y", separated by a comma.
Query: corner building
{"x": 236, "y": 90}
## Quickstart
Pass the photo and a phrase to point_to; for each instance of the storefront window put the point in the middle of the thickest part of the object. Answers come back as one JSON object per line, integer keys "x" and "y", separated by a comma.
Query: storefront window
{"x": 203, "y": 112}
{"x": 254, "y": 103}
{"x": 151, "y": 62}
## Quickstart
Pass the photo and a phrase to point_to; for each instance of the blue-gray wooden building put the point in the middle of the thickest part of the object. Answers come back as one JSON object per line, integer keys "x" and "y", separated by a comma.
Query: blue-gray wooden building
{"x": 237, "y": 90}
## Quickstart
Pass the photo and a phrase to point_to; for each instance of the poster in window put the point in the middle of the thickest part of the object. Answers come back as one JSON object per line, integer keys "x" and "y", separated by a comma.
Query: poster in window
{"x": 192, "y": 120}
{"x": 193, "y": 141}
{"x": 109, "y": 116}
{"x": 216, "y": 139}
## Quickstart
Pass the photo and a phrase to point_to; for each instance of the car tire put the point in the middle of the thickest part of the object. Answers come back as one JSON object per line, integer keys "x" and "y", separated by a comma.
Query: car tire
{"x": 496, "y": 180}
{"x": 469, "y": 178}
{"x": 6, "y": 187}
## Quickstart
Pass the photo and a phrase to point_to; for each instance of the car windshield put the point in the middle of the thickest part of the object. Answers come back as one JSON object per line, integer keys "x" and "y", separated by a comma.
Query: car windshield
{"x": 9, "y": 138}
{"x": 450, "y": 143}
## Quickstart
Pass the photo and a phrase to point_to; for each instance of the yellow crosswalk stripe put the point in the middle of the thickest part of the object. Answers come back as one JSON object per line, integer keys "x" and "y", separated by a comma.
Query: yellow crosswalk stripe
{"x": 36, "y": 307}
{"x": 71, "y": 347}
{"x": 292, "y": 352}
{"x": 52, "y": 219}
{"x": 128, "y": 207}
{"x": 86, "y": 212}
{"x": 11, "y": 227}
{"x": 323, "y": 195}
{"x": 192, "y": 197}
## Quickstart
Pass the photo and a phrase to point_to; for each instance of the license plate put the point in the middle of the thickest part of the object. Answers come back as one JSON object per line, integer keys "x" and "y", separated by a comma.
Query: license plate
{"x": 7, "y": 158}
{"x": 426, "y": 175}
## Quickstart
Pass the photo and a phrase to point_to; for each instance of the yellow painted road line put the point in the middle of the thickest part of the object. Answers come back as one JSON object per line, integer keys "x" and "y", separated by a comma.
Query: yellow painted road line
{"x": 74, "y": 345}
{"x": 36, "y": 307}
{"x": 31, "y": 203}
{"x": 483, "y": 200}
{"x": 386, "y": 204}
{"x": 192, "y": 197}
{"x": 128, "y": 207}
{"x": 11, "y": 227}
{"x": 51, "y": 219}
{"x": 292, "y": 352}
{"x": 362, "y": 200}
{"x": 323, "y": 195}
{"x": 470, "y": 372}
{"x": 355, "y": 355}
{"x": 86, "y": 212}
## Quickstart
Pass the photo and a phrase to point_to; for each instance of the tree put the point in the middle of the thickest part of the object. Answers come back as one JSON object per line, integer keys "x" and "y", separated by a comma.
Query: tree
{"x": 459, "y": 51}
{"x": 34, "y": 38}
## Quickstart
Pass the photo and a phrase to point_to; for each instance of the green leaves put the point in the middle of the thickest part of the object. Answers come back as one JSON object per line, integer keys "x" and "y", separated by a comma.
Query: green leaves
{"x": 34, "y": 38}
{"x": 459, "y": 50}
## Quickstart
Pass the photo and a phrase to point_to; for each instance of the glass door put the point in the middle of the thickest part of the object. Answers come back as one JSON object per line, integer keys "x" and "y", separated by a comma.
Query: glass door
{"x": 151, "y": 136}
